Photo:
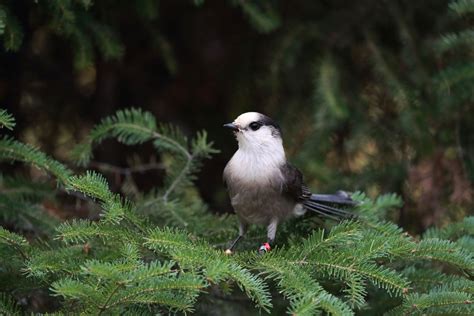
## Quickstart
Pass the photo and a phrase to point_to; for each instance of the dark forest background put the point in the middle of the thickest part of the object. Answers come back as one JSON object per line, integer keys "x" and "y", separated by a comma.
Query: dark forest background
{"x": 372, "y": 95}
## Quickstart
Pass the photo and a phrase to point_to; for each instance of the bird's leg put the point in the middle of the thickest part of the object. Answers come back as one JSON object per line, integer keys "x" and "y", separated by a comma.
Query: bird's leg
{"x": 271, "y": 233}
{"x": 233, "y": 244}
{"x": 242, "y": 231}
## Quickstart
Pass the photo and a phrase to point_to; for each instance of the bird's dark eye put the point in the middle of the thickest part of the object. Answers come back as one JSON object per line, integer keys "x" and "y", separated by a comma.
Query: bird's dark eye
{"x": 255, "y": 126}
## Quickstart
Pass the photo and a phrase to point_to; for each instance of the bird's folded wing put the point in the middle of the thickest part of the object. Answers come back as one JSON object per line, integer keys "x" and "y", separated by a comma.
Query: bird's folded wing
{"x": 293, "y": 186}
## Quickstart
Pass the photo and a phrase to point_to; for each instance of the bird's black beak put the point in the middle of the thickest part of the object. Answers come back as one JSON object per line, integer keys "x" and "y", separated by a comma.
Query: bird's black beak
{"x": 232, "y": 126}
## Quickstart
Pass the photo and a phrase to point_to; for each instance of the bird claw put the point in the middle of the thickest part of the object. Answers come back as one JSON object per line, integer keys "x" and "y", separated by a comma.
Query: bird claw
{"x": 264, "y": 248}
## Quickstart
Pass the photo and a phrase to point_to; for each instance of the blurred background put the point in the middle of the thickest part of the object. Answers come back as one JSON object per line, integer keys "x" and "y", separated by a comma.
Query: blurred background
{"x": 372, "y": 95}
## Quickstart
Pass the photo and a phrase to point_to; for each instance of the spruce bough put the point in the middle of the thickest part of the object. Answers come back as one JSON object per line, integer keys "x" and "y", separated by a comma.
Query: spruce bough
{"x": 163, "y": 251}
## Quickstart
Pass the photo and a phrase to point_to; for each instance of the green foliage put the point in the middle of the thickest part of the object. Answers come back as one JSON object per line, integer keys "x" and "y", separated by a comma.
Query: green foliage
{"x": 263, "y": 16}
{"x": 10, "y": 29}
{"x": 20, "y": 199}
{"x": 444, "y": 251}
{"x": 17, "y": 242}
{"x": 328, "y": 92}
{"x": 440, "y": 301}
{"x": 455, "y": 40}
{"x": 6, "y": 119}
{"x": 129, "y": 126}
{"x": 135, "y": 127}
{"x": 376, "y": 210}
{"x": 3, "y": 16}
{"x": 8, "y": 305}
{"x": 462, "y": 7}
{"x": 25, "y": 215}
{"x": 304, "y": 293}
{"x": 84, "y": 24}
{"x": 12, "y": 150}
{"x": 95, "y": 186}
{"x": 125, "y": 283}
{"x": 215, "y": 264}
{"x": 90, "y": 27}
{"x": 163, "y": 252}
{"x": 453, "y": 230}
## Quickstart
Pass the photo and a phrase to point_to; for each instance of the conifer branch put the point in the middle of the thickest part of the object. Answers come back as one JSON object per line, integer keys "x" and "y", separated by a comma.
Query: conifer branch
{"x": 103, "y": 307}
{"x": 8, "y": 306}
{"x": 462, "y": 7}
{"x": 178, "y": 179}
{"x": 127, "y": 262}
{"x": 6, "y": 119}
{"x": 15, "y": 241}
{"x": 444, "y": 251}
{"x": 13, "y": 150}
{"x": 134, "y": 126}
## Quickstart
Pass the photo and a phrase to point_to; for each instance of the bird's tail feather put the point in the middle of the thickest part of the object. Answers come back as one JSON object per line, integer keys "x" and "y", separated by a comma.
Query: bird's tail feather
{"x": 333, "y": 206}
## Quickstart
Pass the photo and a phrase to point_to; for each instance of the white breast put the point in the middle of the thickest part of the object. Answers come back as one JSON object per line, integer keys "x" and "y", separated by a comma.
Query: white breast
{"x": 253, "y": 168}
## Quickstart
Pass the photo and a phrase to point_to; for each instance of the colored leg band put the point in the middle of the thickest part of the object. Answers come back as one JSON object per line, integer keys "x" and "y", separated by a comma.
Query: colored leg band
{"x": 265, "y": 247}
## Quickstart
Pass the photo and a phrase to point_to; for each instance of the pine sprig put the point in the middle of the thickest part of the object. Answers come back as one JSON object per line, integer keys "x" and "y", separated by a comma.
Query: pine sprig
{"x": 344, "y": 232}
{"x": 466, "y": 242}
{"x": 10, "y": 30}
{"x": 216, "y": 266}
{"x": 134, "y": 126}
{"x": 15, "y": 241}
{"x": 6, "y": 119}
{"x": 123, "y": 283}
{"x": 81, "y": 231}
{"x": 12, "y": 239}
{"x": 95, "y": 186}
{"x": 337, "y": 267}
{"x": 304, "y": 293}
{"x": 263, "y": 17}
{"x": 55, "y": 262}
{"x": 26, "y": 215}
{"x": 255, "y": 288}
{"x": 106, "y": 39}
{"x": 453, "y": 231}
{"x": 444, "y": 303}
{"x": 13, "y": 150}
{"x": 74, "y": 289}
{"x": 22, "y": 189}
{"x": 462, "y": 7}
{"x": 130, "y": 126}
{"x": 376, "y": 209}
{"x": 310, "y": 305}
{"x": 327, "y": 93}
{"x": 452, "y": 41}
{"x": 451, "y": 76}
{"x": 444, "y": 251}
{"x": 8, "y": 305}
{"x": 91, "y": 184}
{"x": 3, "y": 16}
{"x": 179, "y": 293}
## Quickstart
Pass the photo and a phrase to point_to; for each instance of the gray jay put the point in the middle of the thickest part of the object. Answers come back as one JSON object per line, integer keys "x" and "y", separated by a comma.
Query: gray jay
{"x": 263, "y": 187}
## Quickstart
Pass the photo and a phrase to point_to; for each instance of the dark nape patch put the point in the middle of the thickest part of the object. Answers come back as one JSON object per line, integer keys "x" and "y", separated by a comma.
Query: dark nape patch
{"x": 265, "y": 120}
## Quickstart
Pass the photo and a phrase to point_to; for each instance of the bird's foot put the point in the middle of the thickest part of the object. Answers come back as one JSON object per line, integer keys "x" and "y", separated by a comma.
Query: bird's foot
{"x": 264, "y": 248}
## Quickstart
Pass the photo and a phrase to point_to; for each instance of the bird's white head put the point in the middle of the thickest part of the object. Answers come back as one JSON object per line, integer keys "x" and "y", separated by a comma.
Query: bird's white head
{"x": 256, "y": 132}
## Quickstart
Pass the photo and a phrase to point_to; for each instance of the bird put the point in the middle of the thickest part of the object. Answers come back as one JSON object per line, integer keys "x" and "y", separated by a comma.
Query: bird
{"x": 264, "y": 188}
